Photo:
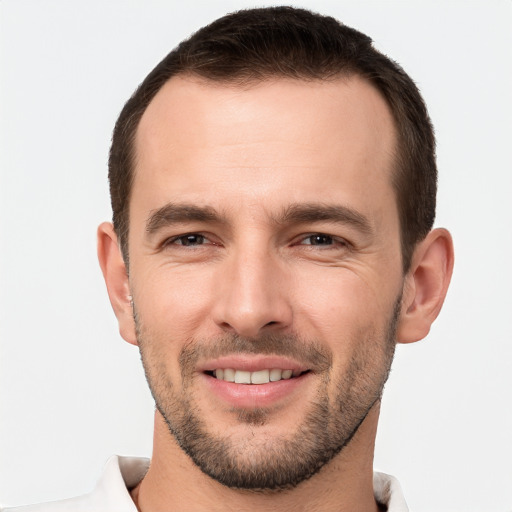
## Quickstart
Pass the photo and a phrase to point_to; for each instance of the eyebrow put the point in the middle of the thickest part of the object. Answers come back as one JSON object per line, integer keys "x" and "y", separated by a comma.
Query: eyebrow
{"x": 173, "y": 213}
{"x": 318, "y": 212}
{"x": 298, "y": 213}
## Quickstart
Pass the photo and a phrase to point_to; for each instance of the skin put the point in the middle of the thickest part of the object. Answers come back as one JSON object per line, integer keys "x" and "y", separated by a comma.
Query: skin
{"x": 249, "y": 154}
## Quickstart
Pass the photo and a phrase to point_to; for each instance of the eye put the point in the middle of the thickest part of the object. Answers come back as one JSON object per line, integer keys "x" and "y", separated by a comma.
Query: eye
{"x": 188, "y": 240}
{"x": 323, "y": 240}
{"x": 318, "y": 239}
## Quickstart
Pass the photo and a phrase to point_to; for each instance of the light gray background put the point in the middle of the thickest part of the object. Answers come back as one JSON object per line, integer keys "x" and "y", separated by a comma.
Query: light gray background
{"x": 72, "y": 392}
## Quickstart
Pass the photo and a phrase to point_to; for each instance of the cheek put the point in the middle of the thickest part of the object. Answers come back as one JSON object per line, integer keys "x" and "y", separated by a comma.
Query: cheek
{"x": 172, "y": 303}
{"x": 339, "y": 302}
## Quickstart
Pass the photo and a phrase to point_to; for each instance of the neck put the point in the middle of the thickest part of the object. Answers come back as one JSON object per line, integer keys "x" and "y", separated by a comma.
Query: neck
{"x": 174, "y": 482}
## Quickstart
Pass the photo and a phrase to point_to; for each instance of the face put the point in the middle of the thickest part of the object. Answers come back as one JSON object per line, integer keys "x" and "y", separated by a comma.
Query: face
{"x": 265, "y": 270}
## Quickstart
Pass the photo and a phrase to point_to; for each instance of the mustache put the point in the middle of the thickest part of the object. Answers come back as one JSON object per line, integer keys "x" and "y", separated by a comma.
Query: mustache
{"x": 309, "y": 353}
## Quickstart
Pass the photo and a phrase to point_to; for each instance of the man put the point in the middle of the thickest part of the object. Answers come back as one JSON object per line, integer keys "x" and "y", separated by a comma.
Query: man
{"x": 273, "y": 187}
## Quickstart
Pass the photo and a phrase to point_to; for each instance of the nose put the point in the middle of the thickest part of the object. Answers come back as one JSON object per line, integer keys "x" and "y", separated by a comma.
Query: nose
{"x": 253, "y": 294}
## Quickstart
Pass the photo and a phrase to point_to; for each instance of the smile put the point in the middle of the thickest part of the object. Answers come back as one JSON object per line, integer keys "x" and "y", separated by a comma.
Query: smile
{"x": 258, "y": 377}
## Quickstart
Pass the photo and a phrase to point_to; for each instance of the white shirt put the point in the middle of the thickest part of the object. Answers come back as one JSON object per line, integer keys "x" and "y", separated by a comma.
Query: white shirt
{"x": 111, "y": 493}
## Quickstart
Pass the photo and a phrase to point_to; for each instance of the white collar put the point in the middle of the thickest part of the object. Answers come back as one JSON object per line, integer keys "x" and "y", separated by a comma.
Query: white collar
{"x": 387, "y": 491}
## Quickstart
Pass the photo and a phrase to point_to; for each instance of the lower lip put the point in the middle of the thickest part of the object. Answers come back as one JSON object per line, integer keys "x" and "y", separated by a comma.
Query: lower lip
{"x": 251, "y": 396}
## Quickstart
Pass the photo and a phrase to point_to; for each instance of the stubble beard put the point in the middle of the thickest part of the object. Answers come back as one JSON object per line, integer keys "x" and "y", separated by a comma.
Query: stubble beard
{"x": 256, "y": 462}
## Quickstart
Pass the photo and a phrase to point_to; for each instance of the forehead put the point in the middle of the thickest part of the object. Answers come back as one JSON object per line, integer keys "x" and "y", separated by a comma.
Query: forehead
{"x": 212, "y": 142}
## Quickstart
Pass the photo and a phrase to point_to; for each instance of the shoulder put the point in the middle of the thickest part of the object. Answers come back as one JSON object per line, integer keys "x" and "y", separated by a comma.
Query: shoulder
{"x": 80, "y": 503}
{"x": 111, "y": 493}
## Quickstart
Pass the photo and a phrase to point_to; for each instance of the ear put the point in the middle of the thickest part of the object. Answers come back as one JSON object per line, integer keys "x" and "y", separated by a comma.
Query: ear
{"x": 116, "y": 278}
{"x": 425, "y": 285}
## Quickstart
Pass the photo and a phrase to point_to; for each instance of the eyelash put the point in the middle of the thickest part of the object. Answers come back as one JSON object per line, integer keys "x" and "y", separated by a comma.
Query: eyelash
{"x": 173, "y": 240}
{"x": 334, "y": 242}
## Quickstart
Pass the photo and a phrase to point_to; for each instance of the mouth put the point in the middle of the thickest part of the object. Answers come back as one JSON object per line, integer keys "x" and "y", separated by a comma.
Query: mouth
{"x": 248, "y": 381}
{"x": 264, "y": 376}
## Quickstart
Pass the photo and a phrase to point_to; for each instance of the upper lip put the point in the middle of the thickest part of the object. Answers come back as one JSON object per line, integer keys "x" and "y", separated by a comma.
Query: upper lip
{"x": 252, "y": 363}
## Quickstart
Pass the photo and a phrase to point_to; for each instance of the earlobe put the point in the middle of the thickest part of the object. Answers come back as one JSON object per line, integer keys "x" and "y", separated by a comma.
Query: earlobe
{"x": 426, "y": 285}
{"x": 116, "y": 278}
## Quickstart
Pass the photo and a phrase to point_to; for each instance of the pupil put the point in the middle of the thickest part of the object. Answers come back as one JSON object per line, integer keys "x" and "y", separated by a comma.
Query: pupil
{"x": 320, "y": 240}
{"x": 192, "y": 239}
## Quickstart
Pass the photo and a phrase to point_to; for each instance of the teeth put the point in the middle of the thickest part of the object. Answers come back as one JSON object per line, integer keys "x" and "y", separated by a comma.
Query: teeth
{"x": 275, "y": 374}
{"x": 229, "y": 375}
{"x": 259, "y": 377}
{"x": 242, "y": 377}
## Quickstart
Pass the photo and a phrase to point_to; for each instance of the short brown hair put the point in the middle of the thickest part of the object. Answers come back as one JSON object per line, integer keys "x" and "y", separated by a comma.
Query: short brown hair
{"x": 257, "y": 44}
